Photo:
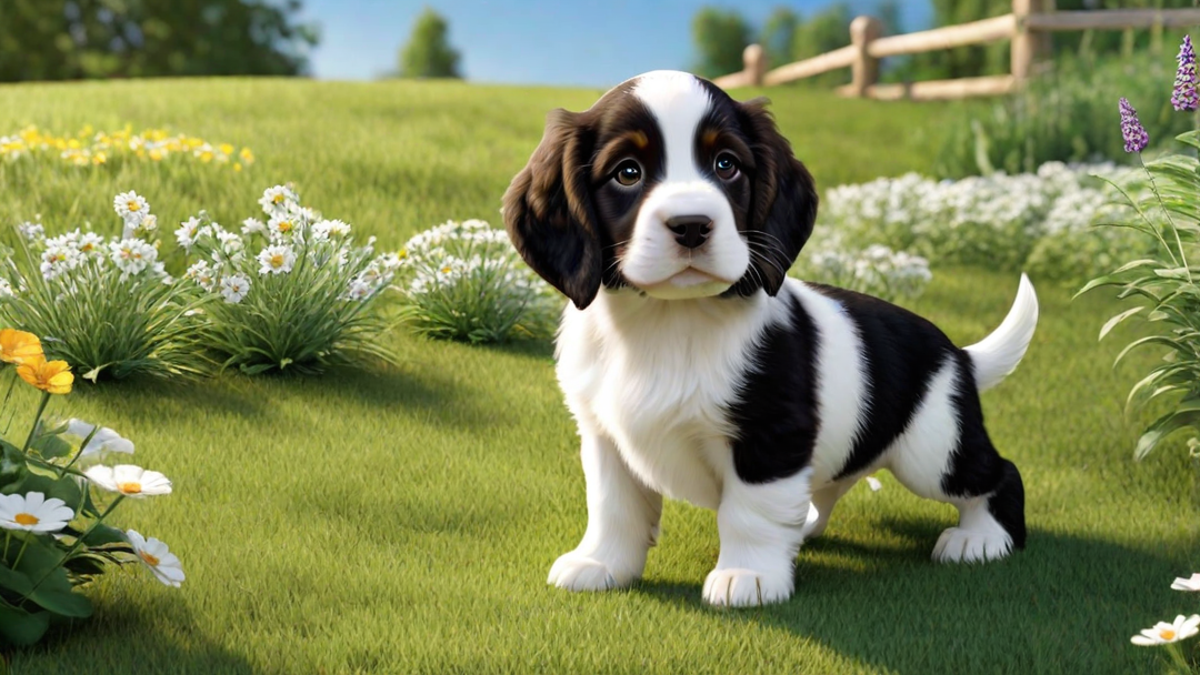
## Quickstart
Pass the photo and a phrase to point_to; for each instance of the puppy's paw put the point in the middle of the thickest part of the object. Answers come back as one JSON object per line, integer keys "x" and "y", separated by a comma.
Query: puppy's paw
{"x": 576, "y": 572}
{"x": 746, "y": 588}
{"x": 962, "y": 545}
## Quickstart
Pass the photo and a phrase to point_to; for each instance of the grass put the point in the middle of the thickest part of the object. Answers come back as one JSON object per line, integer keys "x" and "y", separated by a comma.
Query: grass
{"x": 404, "y": 520}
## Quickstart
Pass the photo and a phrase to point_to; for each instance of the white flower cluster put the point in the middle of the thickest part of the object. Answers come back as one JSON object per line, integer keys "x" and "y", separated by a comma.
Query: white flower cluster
{"x": 292, "y": 235}
{"x": 131, "y": 255}
{"x": 471, "y": 251}
{"x": 465, "y": 280}
{"x": 876, "y": 270}
{"x": 996, "y": 220}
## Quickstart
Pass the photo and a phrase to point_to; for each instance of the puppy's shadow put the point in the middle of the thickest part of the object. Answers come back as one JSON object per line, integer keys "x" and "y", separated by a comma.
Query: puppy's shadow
{"x": 1066, "y": 603}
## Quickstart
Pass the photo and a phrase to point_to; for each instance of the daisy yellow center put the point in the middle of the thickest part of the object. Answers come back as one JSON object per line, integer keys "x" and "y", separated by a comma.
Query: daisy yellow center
{"x": 150, "y": 560}
{"x": 278, "y": 199}
{"x": 445, "y": 270}
{"x": 285, "y": 226}
{"x": 86, "y": 248}
{"x": 1166, "y": 634}
{"x": 26, "y": 519}
{"x": 133, "y": 206}
{"x": 130, "y": 488}
{"x": 277, "y": 260}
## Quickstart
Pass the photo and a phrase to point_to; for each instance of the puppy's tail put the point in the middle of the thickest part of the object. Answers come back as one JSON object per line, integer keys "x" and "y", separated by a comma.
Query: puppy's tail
{"x": 998, "y": 354}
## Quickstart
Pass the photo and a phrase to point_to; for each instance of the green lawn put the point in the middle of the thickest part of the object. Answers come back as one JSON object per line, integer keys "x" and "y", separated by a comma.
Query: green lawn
{"x": 405, "y": 519}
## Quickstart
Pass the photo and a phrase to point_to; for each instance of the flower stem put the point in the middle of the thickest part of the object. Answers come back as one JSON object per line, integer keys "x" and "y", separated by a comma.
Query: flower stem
{"x": 75, "y": 546}
{"x": 1174, "y": 229}
{"x": 79, "y": 453}
{"x": 37, "y": 419}
{"x": 21, "y": 553}
{"x": 7, "y": 538}
{"x": 1177, "y": 657}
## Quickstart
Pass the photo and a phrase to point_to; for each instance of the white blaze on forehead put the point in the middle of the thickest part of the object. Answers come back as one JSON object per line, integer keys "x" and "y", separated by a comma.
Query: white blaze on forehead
{"x": 678, "y": 101}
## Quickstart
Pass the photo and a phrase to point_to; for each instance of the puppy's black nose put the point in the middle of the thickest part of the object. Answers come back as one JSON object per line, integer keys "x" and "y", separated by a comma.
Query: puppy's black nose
{"x": 690, "y": 231}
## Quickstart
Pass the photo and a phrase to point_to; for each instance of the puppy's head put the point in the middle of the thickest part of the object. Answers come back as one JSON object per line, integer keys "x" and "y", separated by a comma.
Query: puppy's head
{"x": 665, "y": 185}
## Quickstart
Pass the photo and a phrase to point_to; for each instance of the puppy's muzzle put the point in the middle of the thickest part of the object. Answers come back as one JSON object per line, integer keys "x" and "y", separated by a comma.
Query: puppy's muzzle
{"x": 690, "y": 231}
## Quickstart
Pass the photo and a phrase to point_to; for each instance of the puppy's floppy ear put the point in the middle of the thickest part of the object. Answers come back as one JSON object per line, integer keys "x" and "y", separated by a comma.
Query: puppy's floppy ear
{"x": 548, "y": 210}
{"x": 785, "y": 200}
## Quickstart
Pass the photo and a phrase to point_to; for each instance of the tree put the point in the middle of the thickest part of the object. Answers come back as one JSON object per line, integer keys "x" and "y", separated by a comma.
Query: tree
{"x": 778, "y": 36}
{"x": 720, "y": 37}
{"x": 76, "y": 39}
{"x": 428, "y": 52}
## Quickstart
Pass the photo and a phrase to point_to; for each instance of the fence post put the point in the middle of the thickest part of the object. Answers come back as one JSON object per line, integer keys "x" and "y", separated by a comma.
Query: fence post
{"x": 1024, "y": 43}
{"x": 754, "y": 59}
{"x": 865, "y": 68}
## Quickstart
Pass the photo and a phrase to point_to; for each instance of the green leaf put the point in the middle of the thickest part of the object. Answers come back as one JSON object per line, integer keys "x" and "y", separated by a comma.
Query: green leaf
{"x": 19, "y": 628}
{"x": 1112, "y": 323}
{"x": 13, "y": 580}
{"x": 50, "y": 446}
{"x": 12, "y": 464}
{"x": 60, "y": 598}
{"x": 103, "y": 535}
{"x": 1165, "y": 426}
{"x": 65, "y": 488}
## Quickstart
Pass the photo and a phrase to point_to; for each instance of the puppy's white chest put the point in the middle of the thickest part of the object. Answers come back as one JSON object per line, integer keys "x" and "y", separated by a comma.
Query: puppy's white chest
{"x": 659, "y": 383}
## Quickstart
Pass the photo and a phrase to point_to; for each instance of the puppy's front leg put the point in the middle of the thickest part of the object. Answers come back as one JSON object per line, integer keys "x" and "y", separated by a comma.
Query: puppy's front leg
{"x": 623, "y": 516}
{"x": 761, "y": 527}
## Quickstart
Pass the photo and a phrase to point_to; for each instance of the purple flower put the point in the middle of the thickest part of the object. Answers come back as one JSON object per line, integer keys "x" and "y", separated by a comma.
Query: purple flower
{"x": 1184, "y": 97}
{"x": 1135, "y": 135}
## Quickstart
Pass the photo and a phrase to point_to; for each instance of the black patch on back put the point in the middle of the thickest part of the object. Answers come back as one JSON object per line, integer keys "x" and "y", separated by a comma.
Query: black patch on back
{"x": 903, "y": 352}
{"x": 775, "y": 413}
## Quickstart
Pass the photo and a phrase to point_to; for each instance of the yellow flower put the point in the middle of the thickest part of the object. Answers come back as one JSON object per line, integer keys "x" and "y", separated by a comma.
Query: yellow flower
{"x": 226, "y": 148}
{"x": 247, "y": 156}
{"x": 53, "y": 377}
{"x": 17, "y": 346}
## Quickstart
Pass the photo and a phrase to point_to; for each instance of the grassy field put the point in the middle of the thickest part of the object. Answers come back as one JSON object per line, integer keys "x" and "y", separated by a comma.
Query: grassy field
{"x": 404, "y": 519}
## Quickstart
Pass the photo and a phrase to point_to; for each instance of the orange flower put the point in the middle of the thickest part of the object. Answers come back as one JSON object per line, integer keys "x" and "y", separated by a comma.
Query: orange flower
{"x": 53, "y": 377}
{"x": 17, "y": 346}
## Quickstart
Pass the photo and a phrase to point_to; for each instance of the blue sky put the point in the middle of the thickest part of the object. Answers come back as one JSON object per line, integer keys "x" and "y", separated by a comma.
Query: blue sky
{"x": 585, "y": 42}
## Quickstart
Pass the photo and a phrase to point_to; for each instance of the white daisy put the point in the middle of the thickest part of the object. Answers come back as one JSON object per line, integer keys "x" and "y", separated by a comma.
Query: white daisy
{"x": 89, "y": 242}
{"x": 6, "y": 289}
{"x": 149, "y": 223}
{"x": 155, "y": 555}
{"x": 204, "y": 274}
{"x": 359, "y": 290}
{"x": 1164, "y": 633}
{"x": 253, "y": 226}
{"x": 104, "y": 440}
{"x": 1191, "y": 583}
{"x": 132, "y": 207}
{"x": 234, "y": 288}
{"x": 34, "y": 513}
{"x": 132, "y": 256}
{"x": 281, "y": 227}
{"x": 231, "y": 242}
{"x": 276, "y": 259}
{"x": 325, "y": 229}
{"x": 276, "y": 199}
{"x": 59, "y": 258}
{"x": 187, "y": 232}
{"x": 32, "y": 231}
{"x": 129, "y": 480}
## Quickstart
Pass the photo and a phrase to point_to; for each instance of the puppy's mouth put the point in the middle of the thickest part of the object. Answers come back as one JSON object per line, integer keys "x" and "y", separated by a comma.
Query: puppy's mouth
{"x": 690, "y": 282}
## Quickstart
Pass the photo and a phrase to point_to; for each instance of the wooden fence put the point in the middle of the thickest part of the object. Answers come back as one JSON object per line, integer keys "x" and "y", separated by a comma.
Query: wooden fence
{"x": 1028, "y": 27}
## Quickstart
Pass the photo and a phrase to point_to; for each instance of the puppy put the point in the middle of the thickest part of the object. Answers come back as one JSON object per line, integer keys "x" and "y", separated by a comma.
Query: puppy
{"x": 696, "y": 368}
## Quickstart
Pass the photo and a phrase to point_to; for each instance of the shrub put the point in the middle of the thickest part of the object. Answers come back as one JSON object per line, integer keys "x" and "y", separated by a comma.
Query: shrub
{"x": 1038, "y": 222}
{"x": 51, "y": 508}
{"x": 876, "y": 270}
{"x": 106, "y": 306}
{"x": 1064, "y": 115}
{"x": 303, "y": 301}
{"x": 465, "y": 281}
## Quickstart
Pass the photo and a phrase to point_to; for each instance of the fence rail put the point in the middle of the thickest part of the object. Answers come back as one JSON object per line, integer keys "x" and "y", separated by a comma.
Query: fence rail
{"x": 1028, "y": 26}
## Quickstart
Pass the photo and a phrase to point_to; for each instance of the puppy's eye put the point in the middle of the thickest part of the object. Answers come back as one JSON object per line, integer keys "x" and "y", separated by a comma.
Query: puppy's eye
{"x": 726, "y": 166}
{"x": 629, "y": 173}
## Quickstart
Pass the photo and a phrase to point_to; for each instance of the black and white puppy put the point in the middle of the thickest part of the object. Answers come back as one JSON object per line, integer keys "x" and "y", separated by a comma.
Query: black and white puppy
{"x": 703, "y": 372}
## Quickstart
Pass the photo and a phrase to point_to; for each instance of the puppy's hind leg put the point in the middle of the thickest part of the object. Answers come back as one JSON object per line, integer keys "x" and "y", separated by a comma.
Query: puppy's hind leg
{"x": 945, "y": 454}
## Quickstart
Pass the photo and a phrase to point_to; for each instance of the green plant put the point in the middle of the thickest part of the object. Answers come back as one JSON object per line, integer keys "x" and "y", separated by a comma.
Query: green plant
{"x": 465, "y": 281}
{"x": 106, "y": 306}
{"x": 55, "y": 537}
{"x": 305, "y": 301}
{"x": 1063, "y": 115}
